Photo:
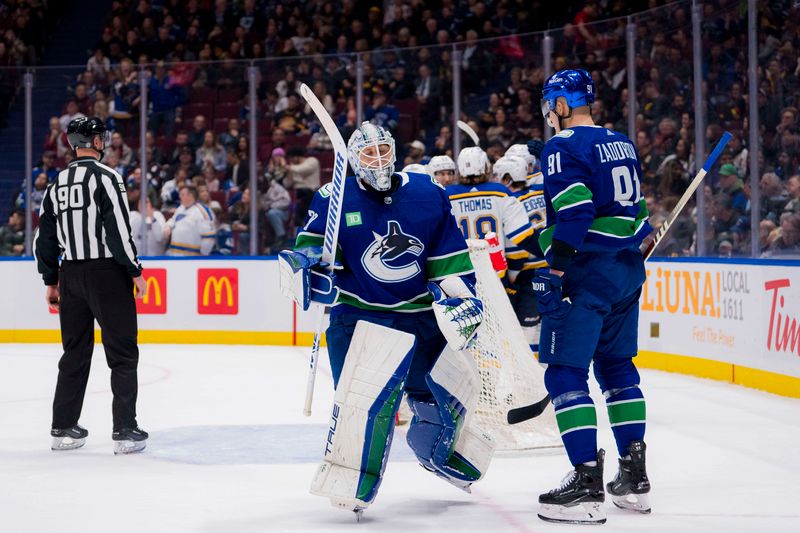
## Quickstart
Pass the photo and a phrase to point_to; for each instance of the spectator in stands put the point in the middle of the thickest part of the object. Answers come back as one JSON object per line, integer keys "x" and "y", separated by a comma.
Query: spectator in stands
{"x": 303, "y": 177}
{"x": 732, "y": 186}
{"x": 47, "y": 166}
{"x": 773, "y": 197}
{"x": 99, "y": 64}
{"x": 198, "y": 133}
{"x": 727, "y": 219}
{"x": 443, "y": 145}
{"x": 181, "y": 142}
{"x": 787, "y": 238}
{"x": 12, "y": 235}
{"x": 765, "y": 229}
{"x": 229, "y": 139}
{"x": 239, "y": 215}
{"x": 38, "y": 190}
{"x": 211, "y": 152}
{"x": 81, "y": 98}
{"x": 111, "y": 159}
{"x": 71, "y": 112}
{"x": 224, "y": 243}
{"x": 154, "y": 225}
{"x": 276, "y": 203}
{"x": 125, "y": 90}
{"x": 380, "y": 112}
{"x": 428, "y": 92}
{"x": 292, "y": 119}
{"x": 55, "y": 139}
{"x": 793, "y": 188}
{"x": 415, "y": 153}
{"x": 170, "y": 190}
{"x": 165, "y": 96}
{"x": 238, "y": 171}
{"x": 127, "y": 157}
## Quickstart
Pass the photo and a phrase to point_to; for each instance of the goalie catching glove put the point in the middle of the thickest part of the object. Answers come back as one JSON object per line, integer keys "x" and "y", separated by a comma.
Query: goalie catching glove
{"x": 305, "y": 278}
{"x": 458, "y": 313}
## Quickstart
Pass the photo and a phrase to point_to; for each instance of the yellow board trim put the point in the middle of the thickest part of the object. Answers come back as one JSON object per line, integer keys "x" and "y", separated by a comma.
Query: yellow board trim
{"x": 476, "y": 194}
{"x": 721, "y": 371}
{"x": 276, "y": 338}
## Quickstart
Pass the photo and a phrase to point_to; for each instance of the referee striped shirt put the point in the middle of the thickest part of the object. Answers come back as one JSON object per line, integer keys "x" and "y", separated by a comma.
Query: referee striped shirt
{"x": 84, "y": 215}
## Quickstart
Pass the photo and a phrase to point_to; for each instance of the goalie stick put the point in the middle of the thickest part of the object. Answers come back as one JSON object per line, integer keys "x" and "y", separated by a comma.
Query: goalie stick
{"x": 331, "y": 224}
{"x": 521, "y": 414}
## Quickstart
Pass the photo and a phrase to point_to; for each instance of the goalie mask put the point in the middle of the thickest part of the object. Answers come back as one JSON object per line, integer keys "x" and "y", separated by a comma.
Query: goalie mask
{"x": 370, "y": 151}
{"x": 473, "y": 165}
{"x": 514, "y": 167}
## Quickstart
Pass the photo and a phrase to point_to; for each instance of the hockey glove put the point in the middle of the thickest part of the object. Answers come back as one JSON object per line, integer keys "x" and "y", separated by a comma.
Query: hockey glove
{"x": 535, "y": 148}
{"x": 458, "y": 316}
{"x": 305, "y": 279}
{"x": 549, "y": 298}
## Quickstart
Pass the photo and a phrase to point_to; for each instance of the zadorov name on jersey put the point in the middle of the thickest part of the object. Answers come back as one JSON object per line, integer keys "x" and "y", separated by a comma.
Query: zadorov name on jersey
{"x": 475, "y": 204}
{"x": 615, "y": 151}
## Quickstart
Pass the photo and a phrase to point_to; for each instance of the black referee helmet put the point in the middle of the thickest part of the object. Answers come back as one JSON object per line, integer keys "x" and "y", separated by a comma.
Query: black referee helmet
{"x": 82, "y": 130}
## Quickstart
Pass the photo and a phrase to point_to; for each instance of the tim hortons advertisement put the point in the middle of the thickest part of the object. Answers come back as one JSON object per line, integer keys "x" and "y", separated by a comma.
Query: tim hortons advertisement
{"x": 746, "y": 314}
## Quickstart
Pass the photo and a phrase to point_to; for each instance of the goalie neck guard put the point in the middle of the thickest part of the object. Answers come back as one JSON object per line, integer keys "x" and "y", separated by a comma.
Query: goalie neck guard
{"x": 371, "y": 153}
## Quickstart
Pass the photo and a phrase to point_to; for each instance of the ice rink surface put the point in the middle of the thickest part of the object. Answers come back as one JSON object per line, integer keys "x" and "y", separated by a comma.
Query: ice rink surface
{"x": 231, "y": 452}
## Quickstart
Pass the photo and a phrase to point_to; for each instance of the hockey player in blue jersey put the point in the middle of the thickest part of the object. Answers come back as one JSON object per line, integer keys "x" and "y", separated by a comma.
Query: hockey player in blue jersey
{"x": 589, "y": 299}
{"x": 403, "y": 308}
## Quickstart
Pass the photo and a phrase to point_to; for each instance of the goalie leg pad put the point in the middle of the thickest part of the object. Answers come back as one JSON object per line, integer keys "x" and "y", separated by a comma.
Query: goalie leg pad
{"x": 368, "y": 394}
{"x": 440, "y": 434}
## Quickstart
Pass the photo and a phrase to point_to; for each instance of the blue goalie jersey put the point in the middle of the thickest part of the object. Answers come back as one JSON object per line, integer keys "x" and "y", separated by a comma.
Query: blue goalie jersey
{"x": 592, "y": 191}
{"x": 390, "y": 247}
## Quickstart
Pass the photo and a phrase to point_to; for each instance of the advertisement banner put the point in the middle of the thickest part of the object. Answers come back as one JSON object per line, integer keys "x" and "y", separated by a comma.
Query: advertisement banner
{"x": 218, "y": 291}
{"x": 745, "y": 314}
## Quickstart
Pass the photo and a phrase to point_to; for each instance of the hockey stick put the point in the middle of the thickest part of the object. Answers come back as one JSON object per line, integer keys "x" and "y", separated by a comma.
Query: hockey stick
{"x": 647, "y": 251}
{"x": 466, "y": 128}
{"x": 331, "y": 224}
{"x": 521, "y": 414}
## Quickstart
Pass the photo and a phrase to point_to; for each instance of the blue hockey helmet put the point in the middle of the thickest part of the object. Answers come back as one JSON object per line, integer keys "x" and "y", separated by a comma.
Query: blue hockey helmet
{"x": 575, "y": 85}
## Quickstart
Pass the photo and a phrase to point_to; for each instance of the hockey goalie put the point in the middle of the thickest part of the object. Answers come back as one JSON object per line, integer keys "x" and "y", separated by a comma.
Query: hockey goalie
{"x": 404, "y": 307}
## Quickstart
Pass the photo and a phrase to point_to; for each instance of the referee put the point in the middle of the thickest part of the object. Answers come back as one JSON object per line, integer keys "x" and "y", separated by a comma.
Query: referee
{"x": 84, "y": 219}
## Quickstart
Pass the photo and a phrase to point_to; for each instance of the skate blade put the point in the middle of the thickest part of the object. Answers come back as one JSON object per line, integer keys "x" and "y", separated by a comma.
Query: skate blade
{"x": 124, "y": 447}
{"x": 639, "y": 503}
{"x": 588, "y": 513}
{"x": 60, "y": 444}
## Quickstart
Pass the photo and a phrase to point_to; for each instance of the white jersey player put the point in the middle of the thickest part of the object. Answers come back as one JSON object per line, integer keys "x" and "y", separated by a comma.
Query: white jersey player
{"x": 443, "y": 168}
{"x": 534, "y": 179}
{"x": 191, "y": 228}
{"x": 482, "y": 206}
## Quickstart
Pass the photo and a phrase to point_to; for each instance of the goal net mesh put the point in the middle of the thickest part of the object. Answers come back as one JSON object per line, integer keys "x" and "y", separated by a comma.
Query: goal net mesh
{"x": 510, "y": 374}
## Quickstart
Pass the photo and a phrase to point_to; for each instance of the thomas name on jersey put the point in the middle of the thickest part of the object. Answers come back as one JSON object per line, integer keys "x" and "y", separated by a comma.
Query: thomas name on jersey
{"x": 471, "y": 205}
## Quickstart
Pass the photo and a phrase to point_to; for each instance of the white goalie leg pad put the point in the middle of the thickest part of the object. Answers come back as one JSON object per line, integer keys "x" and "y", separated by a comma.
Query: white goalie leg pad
{"x": 363, "y": 416}
{"x": 456, "y": 386}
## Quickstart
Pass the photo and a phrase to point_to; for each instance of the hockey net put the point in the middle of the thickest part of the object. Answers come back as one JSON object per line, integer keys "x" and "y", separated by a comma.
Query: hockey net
{"x": 510, "y": 374}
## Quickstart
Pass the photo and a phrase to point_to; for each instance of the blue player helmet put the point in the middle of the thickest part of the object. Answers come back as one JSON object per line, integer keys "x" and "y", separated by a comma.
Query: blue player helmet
{"x": 575, "y": 85}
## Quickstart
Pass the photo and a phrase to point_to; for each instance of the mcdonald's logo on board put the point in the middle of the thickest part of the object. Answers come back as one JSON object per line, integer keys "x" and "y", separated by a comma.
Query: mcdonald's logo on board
{"x": 217, "y": 291}
{"x": 155, "y": 301}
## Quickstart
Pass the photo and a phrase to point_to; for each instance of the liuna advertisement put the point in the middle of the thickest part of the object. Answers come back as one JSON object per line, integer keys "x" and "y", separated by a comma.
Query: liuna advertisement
{"x": 744, "y": 314}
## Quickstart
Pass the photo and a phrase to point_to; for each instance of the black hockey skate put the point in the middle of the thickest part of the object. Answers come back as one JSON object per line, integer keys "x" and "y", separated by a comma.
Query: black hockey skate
{"x": 68, "y": 439}
{"x": 129, "y": 440}
{"x": 629, "y": 489}
{"x": 579, "y": 499}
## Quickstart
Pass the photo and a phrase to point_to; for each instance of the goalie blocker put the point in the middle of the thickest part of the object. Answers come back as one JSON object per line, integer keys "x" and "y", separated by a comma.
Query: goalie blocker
{"x": 372, "y": 365}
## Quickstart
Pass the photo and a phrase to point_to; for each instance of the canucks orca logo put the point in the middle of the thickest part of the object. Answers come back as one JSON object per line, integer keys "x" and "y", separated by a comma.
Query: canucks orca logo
{"x": 386, "y": 258}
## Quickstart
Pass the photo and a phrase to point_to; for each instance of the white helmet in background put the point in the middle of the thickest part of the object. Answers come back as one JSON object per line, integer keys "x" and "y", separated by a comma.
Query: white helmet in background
{"x": 473, "y": 165}
{"x": 521, "y": 150}
{"x": 444, "y": 166}
{"x": 515, "y": 167}
{"x": 370, "y": 151}
{"x": 416, "y": 168}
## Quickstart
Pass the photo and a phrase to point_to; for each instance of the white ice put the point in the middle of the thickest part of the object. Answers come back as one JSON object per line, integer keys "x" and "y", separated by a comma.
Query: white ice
{"x": 231, "y": 452}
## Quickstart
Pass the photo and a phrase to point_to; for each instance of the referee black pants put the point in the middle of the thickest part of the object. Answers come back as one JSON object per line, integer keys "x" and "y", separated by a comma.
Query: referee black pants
{"x": 96, "y": 289}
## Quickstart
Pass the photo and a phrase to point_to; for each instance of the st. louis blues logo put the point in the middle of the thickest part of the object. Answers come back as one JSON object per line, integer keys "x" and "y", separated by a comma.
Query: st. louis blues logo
{"x": 381, "y": 258}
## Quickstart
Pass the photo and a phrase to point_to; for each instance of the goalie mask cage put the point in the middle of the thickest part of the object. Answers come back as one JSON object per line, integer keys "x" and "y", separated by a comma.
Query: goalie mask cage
{"x": 510, "y": 374}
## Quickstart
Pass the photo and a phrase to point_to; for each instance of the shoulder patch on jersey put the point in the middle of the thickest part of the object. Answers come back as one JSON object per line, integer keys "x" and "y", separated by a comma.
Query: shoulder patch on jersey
{"x": 565, "y": 134}
{"x": 325, "y": 190}
{"x": 433, "y": 180}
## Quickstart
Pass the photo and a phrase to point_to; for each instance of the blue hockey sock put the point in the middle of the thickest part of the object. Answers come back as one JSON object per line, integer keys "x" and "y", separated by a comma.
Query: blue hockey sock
{"x": 575, "y": 413}
{"x": 626, "y": 412}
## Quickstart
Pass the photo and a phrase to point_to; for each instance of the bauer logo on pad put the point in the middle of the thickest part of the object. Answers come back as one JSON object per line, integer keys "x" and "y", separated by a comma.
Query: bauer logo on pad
{"x": 217, "y": 291}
